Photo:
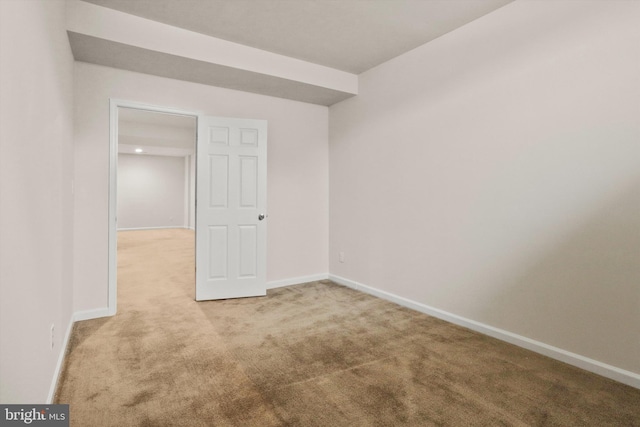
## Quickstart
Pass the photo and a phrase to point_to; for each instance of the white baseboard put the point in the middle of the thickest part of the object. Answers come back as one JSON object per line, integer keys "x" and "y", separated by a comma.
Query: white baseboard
{"x": 609, "y": 371}
{"x": 296, "y": 280}
{"x": 75, "y": 317}
{"x": 60, "y": 362}
{"x": 91, "y": 314}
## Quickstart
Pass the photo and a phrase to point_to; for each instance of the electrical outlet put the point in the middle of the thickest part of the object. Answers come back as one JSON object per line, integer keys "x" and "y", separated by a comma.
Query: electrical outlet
{"x": 341, "y": 256}
{"x": 53, "y": 330}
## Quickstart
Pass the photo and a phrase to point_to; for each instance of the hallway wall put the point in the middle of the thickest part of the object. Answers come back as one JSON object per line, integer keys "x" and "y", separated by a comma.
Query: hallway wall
{"x": 36, "y": 184}
{"x": 151, "y": 191}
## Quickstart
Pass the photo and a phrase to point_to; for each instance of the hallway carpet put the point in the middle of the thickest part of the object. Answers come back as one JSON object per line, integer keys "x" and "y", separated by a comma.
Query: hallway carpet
{"x": 316, "y": 354}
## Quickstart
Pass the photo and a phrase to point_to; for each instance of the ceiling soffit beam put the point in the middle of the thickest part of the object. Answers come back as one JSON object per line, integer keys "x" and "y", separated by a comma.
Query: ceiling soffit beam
{"x": 93, "y": 27}
{"x": 126, "y": 57}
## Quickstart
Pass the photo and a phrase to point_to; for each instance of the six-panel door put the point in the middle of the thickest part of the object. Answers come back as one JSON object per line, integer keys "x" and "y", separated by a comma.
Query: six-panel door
{"x": 230, "y": 197}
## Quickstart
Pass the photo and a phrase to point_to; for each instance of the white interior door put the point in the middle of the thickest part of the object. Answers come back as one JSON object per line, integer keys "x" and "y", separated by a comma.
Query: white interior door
{"x": 231, "y": 198}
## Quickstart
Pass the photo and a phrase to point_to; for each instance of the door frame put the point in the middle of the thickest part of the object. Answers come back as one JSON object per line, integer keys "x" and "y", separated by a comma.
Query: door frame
{"x": 114, "y": 104}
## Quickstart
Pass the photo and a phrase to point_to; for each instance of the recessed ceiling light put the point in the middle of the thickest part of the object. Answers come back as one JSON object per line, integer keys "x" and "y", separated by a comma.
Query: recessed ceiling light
{"x": 138, "y": 150}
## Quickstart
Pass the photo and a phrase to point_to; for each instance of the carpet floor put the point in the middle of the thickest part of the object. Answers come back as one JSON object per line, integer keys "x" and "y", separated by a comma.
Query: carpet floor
{"x": 316, "y": 354}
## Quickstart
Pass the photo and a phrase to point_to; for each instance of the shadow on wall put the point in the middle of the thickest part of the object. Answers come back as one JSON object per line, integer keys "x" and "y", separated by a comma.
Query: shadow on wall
{"x": 584, "y": 293}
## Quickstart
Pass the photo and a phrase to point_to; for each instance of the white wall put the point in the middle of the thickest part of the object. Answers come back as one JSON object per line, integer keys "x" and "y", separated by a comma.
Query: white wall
{"x": 297, "y": 192}
{"x": 495, "y": 174}
{"x": 36, "y": 213}
{"x": 151, "y": 191}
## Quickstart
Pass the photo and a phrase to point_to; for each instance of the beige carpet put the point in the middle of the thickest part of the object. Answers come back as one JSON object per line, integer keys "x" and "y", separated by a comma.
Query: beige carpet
{"x": 316, "y": 354}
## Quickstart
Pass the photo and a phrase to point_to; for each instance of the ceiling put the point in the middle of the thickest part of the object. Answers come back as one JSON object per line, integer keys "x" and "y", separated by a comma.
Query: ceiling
{"x": 133, "y": 115}
{"x": 349, "y": 35}
{"x": 155, "y": 132}
{"x": 305, "y": 50}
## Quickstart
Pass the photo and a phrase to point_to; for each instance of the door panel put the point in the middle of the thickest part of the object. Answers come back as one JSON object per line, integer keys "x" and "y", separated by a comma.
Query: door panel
{"x": 248, "y": 181}
{"x": 219, "y": 181}
{"x": 218, "y": 252}
{"x": 231, "y": 194}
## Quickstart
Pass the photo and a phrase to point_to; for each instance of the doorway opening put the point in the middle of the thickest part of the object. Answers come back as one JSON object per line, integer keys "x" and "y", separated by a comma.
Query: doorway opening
{"x": 151, "y": 199}
{"x": 227, "y": 173}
